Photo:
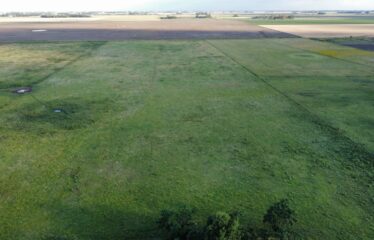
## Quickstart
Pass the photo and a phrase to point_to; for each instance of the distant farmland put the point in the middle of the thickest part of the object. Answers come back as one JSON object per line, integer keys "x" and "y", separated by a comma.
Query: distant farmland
{"x": 326, "y": 30}
{"x": 113, "y": 132}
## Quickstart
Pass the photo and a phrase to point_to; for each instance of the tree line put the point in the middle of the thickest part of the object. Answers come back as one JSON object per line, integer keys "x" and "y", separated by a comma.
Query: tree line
{"x": 181, "y": 224}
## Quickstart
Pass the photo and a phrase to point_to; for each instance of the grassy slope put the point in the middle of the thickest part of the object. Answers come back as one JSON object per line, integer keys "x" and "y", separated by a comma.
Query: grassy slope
{"x": 151, "y": 125}
{"x": 314, "y": 20}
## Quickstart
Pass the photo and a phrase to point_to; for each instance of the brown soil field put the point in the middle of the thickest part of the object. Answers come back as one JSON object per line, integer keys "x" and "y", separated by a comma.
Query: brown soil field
{"x": 122, "y": 30}
{"x": 326, "y": 31}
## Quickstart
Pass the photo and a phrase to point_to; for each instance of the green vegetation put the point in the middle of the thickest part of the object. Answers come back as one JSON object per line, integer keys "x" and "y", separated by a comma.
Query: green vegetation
{"x": 180, "y": 224}
{"x": 214, "y": 125}
{"x": 27, "y": 64}
{"x": 222, "y": 226}
{"x": 290, "y": 20}
{"x": 280, "y": 218}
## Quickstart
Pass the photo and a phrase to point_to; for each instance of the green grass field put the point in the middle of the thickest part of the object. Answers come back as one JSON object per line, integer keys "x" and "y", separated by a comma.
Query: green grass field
{"x": 215, "y": 125}
{"x": 315, "y": 20}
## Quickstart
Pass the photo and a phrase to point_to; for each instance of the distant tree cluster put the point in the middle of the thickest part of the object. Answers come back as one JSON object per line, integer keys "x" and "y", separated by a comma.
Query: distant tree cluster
{"x": 181, "y": 224}
{"x": 65, "y": 16}
{"x": 169, "y": 17}
{"x": 203, "y": 15}
{"x": 275, "y": 17}
{"x": 20, "y": 14}
{"x": 139, "y": 13}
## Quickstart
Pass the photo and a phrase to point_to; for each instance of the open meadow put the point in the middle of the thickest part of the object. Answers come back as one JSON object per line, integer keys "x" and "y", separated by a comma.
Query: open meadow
{"x": 113, "y": 132}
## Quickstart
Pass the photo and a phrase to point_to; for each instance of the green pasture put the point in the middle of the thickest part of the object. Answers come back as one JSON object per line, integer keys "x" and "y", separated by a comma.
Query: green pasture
{"x": 216, "y": 125}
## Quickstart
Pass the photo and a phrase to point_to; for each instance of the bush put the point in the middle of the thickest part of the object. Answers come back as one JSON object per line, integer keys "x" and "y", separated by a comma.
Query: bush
{"x": 223, "y": 226}
{"x": 280, "y": 218}
{"x": 178, "y": 224}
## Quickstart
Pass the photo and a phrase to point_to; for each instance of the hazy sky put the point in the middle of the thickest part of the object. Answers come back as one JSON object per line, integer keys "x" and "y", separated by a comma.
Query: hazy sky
{"x": 159, "y": 5}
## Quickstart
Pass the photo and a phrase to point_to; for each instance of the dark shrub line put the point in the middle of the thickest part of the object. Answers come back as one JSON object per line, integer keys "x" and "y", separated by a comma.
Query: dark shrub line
{"x": 181, "y": 224}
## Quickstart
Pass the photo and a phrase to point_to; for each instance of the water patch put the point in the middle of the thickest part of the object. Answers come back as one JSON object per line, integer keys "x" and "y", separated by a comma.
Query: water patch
{"x": 38, "y": 30}
{"x": 366, "y": 47}
{"x": 22, "y": 90}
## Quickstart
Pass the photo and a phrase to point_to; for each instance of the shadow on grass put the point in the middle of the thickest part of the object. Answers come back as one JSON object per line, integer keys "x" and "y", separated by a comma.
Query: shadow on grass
{"x": 61, "y": 114}
{"x": 99, "y": 222}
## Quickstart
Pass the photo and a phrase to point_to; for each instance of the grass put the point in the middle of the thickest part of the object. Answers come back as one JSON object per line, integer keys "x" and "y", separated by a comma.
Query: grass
{"x": 27, "y": 64}
{"x": 216, "y": 125}
{"x": 315, "y": 20}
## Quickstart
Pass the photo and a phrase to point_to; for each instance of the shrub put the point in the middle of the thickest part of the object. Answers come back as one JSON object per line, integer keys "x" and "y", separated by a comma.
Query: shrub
{"x": 178, "y": 224}
{"x": 280, "y": 217}
{"x": 223, "y": 226}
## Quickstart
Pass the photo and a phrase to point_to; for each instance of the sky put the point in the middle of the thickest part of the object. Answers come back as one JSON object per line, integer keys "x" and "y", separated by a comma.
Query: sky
{"x": 188, "y": 5}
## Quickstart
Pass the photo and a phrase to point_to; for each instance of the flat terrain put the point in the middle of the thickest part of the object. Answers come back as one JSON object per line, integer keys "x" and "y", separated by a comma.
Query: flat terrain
{"x": 216, "y": 125}
{"x": 313, "y": 20}
{"x": 326, "y": 30}
{"x": 359, "y": 43}
{"x": 94, "y": 18}
{"x": 122, "y": 30}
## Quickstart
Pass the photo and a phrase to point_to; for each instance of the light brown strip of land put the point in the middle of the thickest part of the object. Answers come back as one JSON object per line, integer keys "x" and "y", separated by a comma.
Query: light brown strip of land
{"x": 326, "y": 30}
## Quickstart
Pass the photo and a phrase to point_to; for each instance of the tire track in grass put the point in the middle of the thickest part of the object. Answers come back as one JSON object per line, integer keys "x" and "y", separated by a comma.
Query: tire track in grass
{"x": 355, "y": 152}
{"x": 89, "y": 53}
{"x": 95, "y": 46}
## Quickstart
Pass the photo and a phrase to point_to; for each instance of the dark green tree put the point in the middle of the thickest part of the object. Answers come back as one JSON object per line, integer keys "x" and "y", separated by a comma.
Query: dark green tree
{"x": 223, "y": 226}
{"x": 250, "y": 233}
{"x": 178, "y": 224}
{"x": 280, "y": 218}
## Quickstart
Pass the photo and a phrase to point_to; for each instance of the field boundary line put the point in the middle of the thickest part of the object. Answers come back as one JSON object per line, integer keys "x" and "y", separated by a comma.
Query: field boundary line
{"x": 351, "y": 150}
{"x": 78, "y": 58}
{"x": 259, "y": 77}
